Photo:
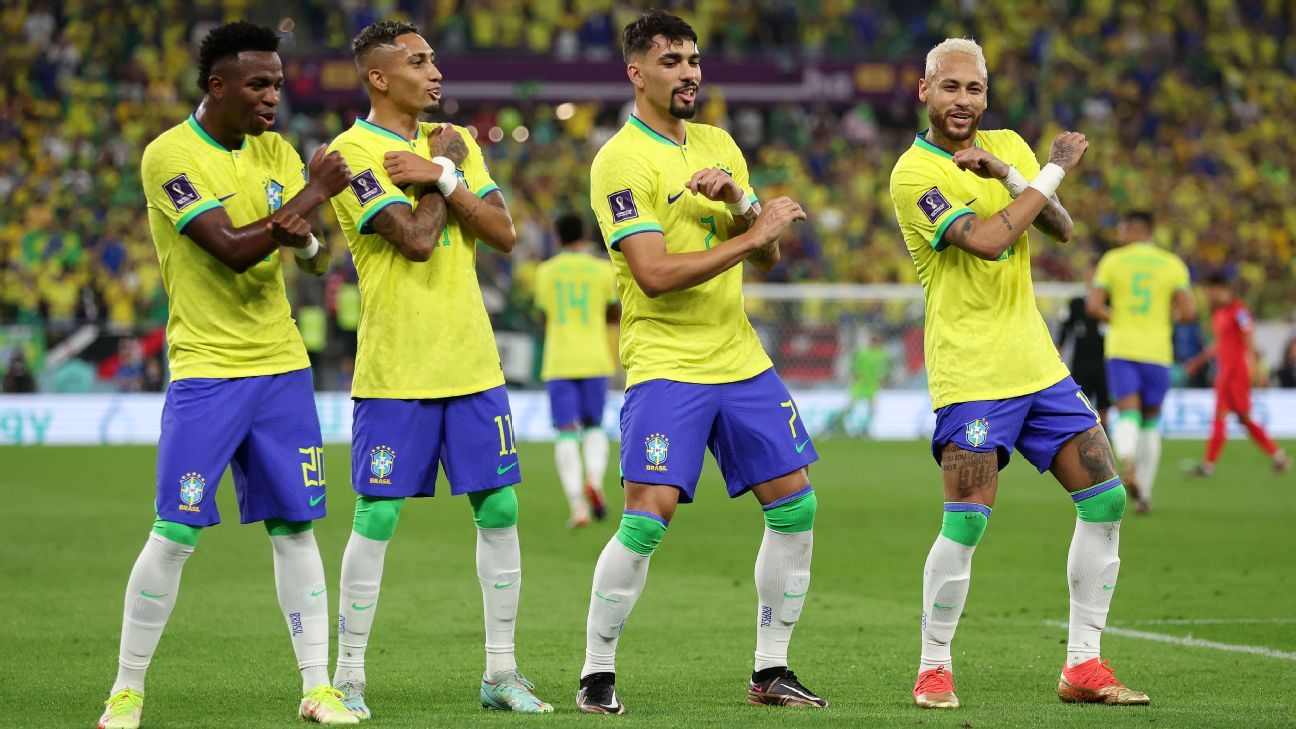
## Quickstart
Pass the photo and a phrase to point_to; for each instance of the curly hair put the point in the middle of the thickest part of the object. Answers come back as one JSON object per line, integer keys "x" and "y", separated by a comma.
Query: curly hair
{"x": 232, "y": 39}
{"x": 637, "y": 38}
{"x": 380, "y": 34}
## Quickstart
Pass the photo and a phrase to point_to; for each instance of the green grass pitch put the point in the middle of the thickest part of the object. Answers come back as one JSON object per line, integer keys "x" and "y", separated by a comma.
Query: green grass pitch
{"x": 1219, "y": 551}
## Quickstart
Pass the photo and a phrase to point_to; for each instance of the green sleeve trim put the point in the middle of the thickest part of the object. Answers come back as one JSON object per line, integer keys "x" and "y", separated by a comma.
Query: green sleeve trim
{"x": 492, "y": 187}
{"x": 938, "y": 243}
{"x": 182, "y": 222}
{"x": 751, "y": 197}
{"x": 624, "y": 233}
{"x": 363, "y": 225}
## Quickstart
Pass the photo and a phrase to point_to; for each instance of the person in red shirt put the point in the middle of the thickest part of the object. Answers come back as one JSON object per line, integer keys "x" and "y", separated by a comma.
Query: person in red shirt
{"x": 1234, "y": 355}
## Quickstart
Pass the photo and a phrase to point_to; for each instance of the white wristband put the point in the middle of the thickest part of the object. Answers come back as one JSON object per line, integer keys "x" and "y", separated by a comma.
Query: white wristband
{"x": 1016, "y": 182}
{"x": 1048, "y": 179}
{"x": 310, "y": 250}
{"x": 448, "y": 180}
{"x": 741, "y": 207}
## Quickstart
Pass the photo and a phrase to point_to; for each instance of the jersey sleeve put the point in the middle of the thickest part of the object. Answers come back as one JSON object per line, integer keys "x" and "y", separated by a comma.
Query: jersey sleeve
{"x": 543, "y": 290}
{"x": 174, "y": 184}
{"x": 1181, "y": 278}
{"x": 371, "y": 190}
{"x": 609, "y": 275}
{"x": 622, "y": 193}
{"x": 292, "y": 169}
{"x": 1102, "y": 275}
{"x": 1024, "y": 158}
{"x": 475, "y": 174}
{"x": 923, "y": 207}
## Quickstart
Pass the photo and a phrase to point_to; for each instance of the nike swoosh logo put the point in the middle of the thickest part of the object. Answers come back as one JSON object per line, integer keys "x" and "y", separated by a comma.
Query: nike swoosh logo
{"x": 146, "y": 593}
{"x": 939, "y": 606}
{"x": 601, "y": 596}
{"x": 802, "y": 445}
{"x": 969, "y": 202}
{"x": 223, "y": 199}
{"x": 502, "y": 585}
{"x": 670, "y": 199}
{"x": 316, "y": 499}
{"x": 1109, "y": 587}
{"x": 799, "y": 594}
{"x": 317, "y": 593}
{"x": 358, "y": 606}
{"x": 501, "y": 470}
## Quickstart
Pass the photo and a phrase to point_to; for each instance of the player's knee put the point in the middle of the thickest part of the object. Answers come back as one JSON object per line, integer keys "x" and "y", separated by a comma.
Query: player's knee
{"x": 964, "y": 522}
{"x": 796, "y": 514}
{"x": 283, "y": 527}
{"x": 494, "y": 509}
{"x": 177, "y": 532}
{"x": 1102, "y": 503}
{"x": 641, "y": 531}
{"x": 376, "y": 518}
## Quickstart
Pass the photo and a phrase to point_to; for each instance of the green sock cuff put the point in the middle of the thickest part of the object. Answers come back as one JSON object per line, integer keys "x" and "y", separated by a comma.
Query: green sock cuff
{"x": 1105, "y": 506}
{"x": 965, "y": 522}
{"x": 494, "y": 509}
{"x": 794, "y": 516}
{"x": 283, "y": 527}
{"x": 177, "y": 532}
{"x": 376, "y": 517}
{"x": 641, "y": 532}
{"x": 1132, "y": 415}
{"x": 1151, "y": 422}
{"x": 569, "y": 435}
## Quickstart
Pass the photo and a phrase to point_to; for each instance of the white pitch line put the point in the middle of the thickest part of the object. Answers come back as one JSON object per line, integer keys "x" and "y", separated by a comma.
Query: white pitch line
{"x": 1220, "y": 621}
{"x": 1194, "y": 642}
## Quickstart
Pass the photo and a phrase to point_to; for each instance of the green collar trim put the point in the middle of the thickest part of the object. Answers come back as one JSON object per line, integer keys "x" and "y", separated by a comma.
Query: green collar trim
{"x": 921, "y": 143}
{"x": 383, "y": 131}
{"x": 192, "y": 121}
{"x": 656, "y": 136}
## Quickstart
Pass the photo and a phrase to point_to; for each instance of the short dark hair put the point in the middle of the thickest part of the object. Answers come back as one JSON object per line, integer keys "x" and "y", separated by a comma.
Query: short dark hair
{"x": 570, "y": 227}
{"x": 637, "y": 38}
{"x": 232, "y": 39}
{"x": 1219, "y": 277}
{"x": 382, "y": 33}
{"x": 1140, "y": 216}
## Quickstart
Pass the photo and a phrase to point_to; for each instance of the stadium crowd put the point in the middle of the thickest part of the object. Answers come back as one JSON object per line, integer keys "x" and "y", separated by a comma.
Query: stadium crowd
{"x": 1181, "y": 100}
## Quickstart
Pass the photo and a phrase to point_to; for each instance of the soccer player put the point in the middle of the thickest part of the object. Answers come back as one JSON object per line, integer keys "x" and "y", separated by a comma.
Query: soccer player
{"x": 964, "y": 199}
{"x": 223, "y": 195}
{"x": 576, "y": 295}
{"x": 1234, "y": 355}
{"x": 428, "y": 385}
{"x": 1139, "y": 290}
{"x": 674, "y": 204}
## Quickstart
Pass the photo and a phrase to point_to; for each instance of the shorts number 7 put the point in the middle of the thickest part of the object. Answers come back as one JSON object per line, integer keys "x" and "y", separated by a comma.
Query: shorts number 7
{"x": 791, "y": 420}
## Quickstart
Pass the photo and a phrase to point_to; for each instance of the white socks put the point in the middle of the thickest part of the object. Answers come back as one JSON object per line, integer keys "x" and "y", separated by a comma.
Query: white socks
{"x": 946, "y": 578}
{"x": 1125, "y": 440}
{"x": 1092, "y": 566}
{"x": 362, "y": 567}
{"x": 299, "y": 580}
{"x": 499, "y": 569}
{"x": 596, "y": 457}
{"x": 567, "y": 455}
{"x": 619, "y": 579}
{"x": 782, "y": 580}
{"x": 1149, "y": 458}
{"x": 150, "y": 596}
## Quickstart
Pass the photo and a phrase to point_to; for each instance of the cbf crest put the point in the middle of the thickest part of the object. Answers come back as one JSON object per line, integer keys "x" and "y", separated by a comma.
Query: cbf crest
{"x": 382, "y": 461}
{"x": 977, "y": 432}
{"x": 274, "y": 194}
{"x": 657, "y": 447}
{"x": 192, "y": 485}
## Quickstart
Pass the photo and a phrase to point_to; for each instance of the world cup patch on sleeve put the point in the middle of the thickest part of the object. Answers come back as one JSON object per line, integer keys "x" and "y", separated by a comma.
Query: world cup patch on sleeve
{"x": 622, "y": 205}
{"x": 933, "y": 204}
{"x": 366, "y": 187}
{"x": 181, "y": 191}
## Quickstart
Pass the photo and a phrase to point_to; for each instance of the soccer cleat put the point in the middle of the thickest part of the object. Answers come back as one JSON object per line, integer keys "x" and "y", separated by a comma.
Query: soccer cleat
{"x": 597, "y": 695}
{"x": 934, "y": 689}
{"x": 122, "y": 710}
{"x": 510, "y": 691}
{"x": 595, "y": 499}
{"x": 780, "y": 687}
{"x": 1142, "y": 506}
{"x": 323, "y": 705}
{"x": 1281, "y": 462}
{"x": 353, "y": 698}
{"x": 1199, "y": 470}
{"x": 1093, "y": 682}
{"x": 578, "y": 522}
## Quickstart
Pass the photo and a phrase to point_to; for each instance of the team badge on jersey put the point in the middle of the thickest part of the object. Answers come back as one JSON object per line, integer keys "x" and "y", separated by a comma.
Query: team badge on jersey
{"x": 366, "y": 186}
{"x": 274, "y": 194}
{"x": 382, "y": 461}
{"x": 656, "y": 448}
{"x": 977, "y": 432}
{"x": 623, "y": 207}
{"x": 192, "y": 485}
{"x": 181, "y": 191}
{"x": 933, "y": 204}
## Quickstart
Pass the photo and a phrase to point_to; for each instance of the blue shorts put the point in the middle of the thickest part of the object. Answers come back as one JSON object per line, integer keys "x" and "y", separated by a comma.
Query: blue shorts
{"x": 1037, "y": 425}
{"x": 577, "y": 402}
{"x": 1150, "y": 381}
{"x": 751, "y": 427}
{"x": 397, "y": 444}
{"x": 265, "y": 428}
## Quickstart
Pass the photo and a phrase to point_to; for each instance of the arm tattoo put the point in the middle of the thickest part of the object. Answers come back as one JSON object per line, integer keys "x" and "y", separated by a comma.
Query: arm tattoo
{"x": 959, "y": 232}
{"x": 1096, "y": 456}
{"x": 764, "y": 254}
{"x": 1006, "y": 221}
{"x": 1054, "y": 220}
{"x": 420, "y": 227}
{"x": 1062, "y": 154}
{"x": 453, "y": 148}
{"x": 969, "y": 471}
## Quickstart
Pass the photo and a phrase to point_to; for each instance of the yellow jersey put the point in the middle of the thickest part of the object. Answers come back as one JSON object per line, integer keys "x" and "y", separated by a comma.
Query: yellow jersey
{"x": 1141, "y": 281}
{"x": 220, "y": 323}
{"x": 424, "y": 331}
{"x": 984, "y": 337}
{"x": 574, "y": 290}
{"x": 702, "y": 334}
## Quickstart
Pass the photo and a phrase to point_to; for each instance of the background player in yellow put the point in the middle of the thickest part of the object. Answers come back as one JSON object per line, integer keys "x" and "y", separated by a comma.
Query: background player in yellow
{"x": 964, "y": 199}
{"x": 677, "y": 213}
{"x": 1140, "y": 290}
{"x": 223, "y": 195}
{"x": 576, "y": 296}
{"x": 428, "y": 386}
